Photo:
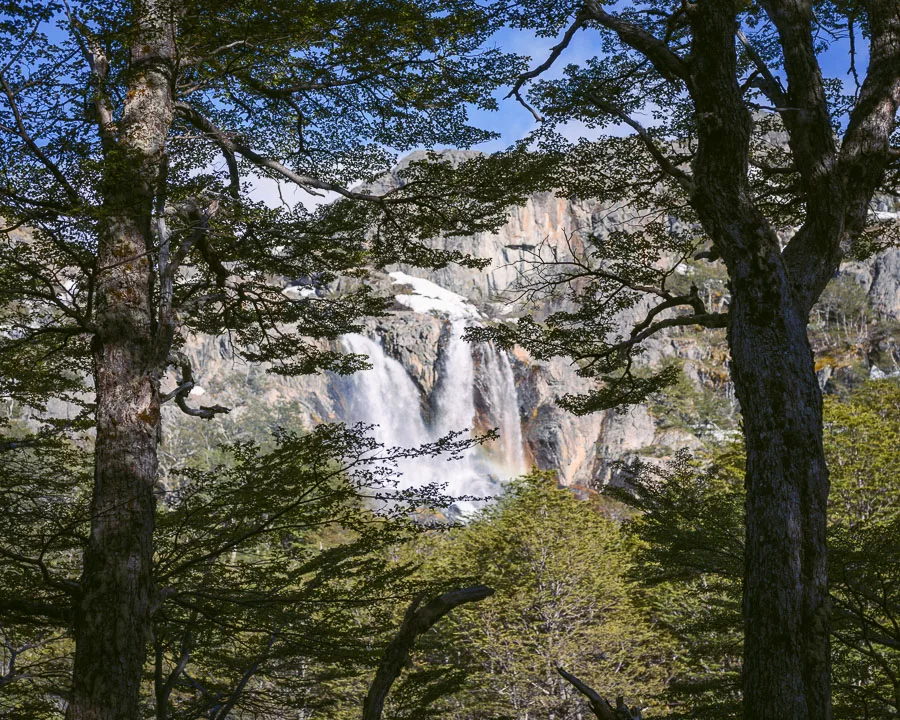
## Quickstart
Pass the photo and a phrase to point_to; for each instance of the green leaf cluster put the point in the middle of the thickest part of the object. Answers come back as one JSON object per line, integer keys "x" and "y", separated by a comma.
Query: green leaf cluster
{"x": 691, "y": 528}
{"x": 560, "y": 567}
{"x": 277, "y": 581}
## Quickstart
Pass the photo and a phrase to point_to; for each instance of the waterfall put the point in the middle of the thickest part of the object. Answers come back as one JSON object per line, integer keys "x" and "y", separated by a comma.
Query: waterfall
{"x": 455, "y": 397}
{"x": 502, "y": 400}
{"x": 387, "y": 397}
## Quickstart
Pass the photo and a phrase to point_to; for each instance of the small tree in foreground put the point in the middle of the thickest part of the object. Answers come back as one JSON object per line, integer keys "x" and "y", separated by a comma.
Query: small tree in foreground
{"x": 562, "y": 598}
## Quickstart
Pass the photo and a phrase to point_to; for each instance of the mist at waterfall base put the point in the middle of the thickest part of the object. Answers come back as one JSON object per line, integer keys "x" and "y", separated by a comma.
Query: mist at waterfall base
{"x": 387, "y": 398}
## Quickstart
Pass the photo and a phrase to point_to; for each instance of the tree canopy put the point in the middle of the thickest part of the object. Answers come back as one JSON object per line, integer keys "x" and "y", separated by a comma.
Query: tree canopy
{"x": 132, "y": 135}
{"x": 741, "y": 150}
{"x": 691, "y": 522}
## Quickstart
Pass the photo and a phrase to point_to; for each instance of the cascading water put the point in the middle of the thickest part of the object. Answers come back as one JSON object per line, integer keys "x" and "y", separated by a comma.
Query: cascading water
{"x": 386, "y": 396}
{"x": 455, "y": 400}
{"x": 498, "y": 391}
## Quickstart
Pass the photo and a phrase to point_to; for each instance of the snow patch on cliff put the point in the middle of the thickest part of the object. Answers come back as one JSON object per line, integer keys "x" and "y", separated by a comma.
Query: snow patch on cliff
{"x": 431, "y": 298}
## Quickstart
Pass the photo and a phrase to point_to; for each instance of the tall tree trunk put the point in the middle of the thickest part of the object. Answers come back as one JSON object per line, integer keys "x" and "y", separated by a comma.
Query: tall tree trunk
{"x": 112, "y": 622}
{"x": 112, "y": 619}
{"x": 786, "y": 610}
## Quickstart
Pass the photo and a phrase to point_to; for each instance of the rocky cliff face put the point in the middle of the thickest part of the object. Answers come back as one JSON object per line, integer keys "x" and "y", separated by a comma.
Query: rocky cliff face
{"x": 426, "y": 381}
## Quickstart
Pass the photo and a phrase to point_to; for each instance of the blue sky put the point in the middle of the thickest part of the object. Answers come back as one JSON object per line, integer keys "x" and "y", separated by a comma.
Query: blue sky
{"x": 513, "y": 122}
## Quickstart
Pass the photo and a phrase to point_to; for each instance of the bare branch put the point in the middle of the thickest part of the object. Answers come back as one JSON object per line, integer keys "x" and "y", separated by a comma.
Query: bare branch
{"x": 770, "y": 85}
{"x": 417, "y": 621}
{"x": 666, "y": 62}
{"x": 68, "y": 586}
{"x": 194, "y": 61}
{"x": 185, "y": 385}
{"x": 693, "y": 300}
{"x": 600, "y": 707}
{"x": 99, "y": 66}
{"x": 196, "y": 215}
{"x": 230, "y": 144}
{"x": 248, "y": 674}
{"x": 165, "y": 687}
{"x": 207, "y": 412}
{"x": 234, "y": 173}
{"x": 708, "y": 320}
{"x": 557, "y": 50}
{"x": 24, "y": 609}
{"x": 665, "y": 164}
{"x": 292, "y": 88}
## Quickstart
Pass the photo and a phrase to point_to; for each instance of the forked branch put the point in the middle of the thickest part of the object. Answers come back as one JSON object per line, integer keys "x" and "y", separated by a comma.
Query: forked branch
{"x": 665, "y": 164}
{"x": 657, "y": 51}
{"x": 599, "y": 705}
{"x": 22, "y": 132}
{"x": 418, "y": 620}
{"x": 557, "y": 50}
{"x": 185, "y": 385}
{"x": 768, "y": 83}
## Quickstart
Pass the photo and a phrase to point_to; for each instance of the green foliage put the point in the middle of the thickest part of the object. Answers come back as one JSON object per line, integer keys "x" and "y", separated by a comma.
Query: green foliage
{"x": 315, "y": 97}
{"x": 43, "y": 524}
{"x": 645, "y": 261}
{"x": 133, "y": 136}
{"x": 275, "y": 585}
{"x": 275, "y": 563}
{"x": 600, "y": 283}
{"x": 562, "y": 599}
{"x": 691, "y": 526}
{"x": 863, "y": 435}
{"x": 697, "y": 404}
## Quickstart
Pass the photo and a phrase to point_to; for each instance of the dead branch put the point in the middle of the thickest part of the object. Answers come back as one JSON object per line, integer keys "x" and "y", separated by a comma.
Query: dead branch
{"x": 185, "y": 385}
{"x": 418, "y": 620}
{"x": 599, "y": 705}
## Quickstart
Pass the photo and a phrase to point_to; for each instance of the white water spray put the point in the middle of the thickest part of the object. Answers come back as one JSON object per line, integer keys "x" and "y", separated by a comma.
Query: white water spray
{"x": 455, "y": 393}
{"x": 498, "y": 388}
{"x": 386, "y": 396}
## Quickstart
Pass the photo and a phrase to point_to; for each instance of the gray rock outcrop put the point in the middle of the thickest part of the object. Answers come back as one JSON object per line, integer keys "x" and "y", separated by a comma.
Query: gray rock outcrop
{"x": 582, "y": 449}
